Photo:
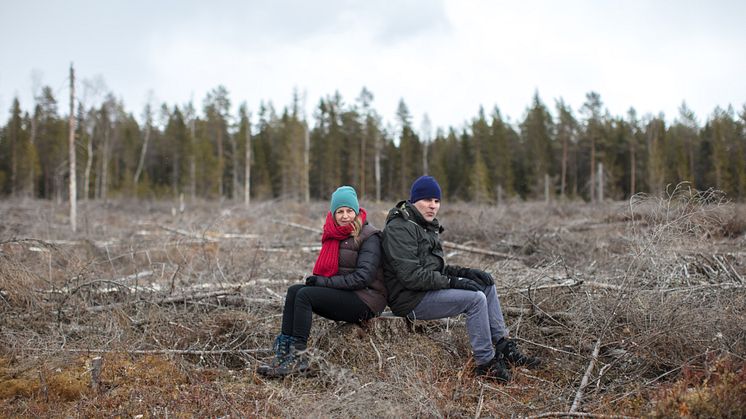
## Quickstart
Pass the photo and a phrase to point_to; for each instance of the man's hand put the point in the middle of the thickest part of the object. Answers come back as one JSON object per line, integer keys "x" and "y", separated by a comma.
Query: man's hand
{"x": 459, "y": 283}
{"x": 479, "y": 276}
{"x": 316, "y": 281}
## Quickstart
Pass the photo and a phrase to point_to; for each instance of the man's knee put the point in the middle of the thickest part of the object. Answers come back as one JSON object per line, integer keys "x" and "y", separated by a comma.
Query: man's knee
{"x": 478, "y": 299}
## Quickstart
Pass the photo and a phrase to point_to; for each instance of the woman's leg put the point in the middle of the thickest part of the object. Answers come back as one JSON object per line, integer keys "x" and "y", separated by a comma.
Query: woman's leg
{"x": 334, "y": 304}
{"x": 288, "y": 311}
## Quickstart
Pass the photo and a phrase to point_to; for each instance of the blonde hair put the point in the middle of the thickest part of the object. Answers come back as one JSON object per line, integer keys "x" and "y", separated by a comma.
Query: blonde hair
{"x": 357, "y": 228}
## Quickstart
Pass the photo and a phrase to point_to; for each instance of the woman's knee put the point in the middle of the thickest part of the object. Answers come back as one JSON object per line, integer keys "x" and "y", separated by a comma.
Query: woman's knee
{"x": 295, "y": 288}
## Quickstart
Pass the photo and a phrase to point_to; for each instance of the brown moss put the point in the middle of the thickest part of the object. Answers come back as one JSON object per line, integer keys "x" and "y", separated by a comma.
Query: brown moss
{"x": 18, "y": 387}
{"x": 719, "y": 392}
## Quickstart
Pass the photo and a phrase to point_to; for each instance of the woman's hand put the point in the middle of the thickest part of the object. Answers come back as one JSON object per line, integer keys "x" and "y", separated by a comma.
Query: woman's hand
{"x": 317, "y": 281}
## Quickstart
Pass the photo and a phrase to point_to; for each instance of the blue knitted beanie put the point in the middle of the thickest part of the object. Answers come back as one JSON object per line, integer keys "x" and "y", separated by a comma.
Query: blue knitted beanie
{"x": 344, "y": 196}
{"x": 424, "y": 187}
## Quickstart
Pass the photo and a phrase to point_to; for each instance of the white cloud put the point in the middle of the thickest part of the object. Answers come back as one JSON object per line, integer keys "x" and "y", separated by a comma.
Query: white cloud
{"x": 443, "y": 58}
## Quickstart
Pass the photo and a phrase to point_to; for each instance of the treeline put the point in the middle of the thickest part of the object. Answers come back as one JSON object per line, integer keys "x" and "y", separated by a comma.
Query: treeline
{"x": 553, "y": 152}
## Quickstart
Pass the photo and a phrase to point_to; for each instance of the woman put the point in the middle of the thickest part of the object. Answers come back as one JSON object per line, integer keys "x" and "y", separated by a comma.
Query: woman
{"x": 346, "y": 285}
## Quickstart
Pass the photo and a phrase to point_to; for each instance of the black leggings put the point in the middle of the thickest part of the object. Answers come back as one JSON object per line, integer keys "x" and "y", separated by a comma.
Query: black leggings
{"x": 334, "y": 304}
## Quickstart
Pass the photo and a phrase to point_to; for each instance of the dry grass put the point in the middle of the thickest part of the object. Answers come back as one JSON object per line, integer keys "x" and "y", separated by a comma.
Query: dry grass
{"x": 183, "y": 306}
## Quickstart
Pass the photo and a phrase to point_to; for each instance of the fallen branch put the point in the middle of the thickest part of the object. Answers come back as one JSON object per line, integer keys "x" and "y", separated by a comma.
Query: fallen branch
{"x": 174, "y": 299}
{"x": 187, "y": 234}
{"x": 570, "y": 283}
{"x": 471, "y": 249}
{"x": 301, "y": 226}
{"x": 577, "y": 415}
{"x": 448, "y": 244}
{"x": 155, "y": 351}
{"x": 586, "y": 377}
{"x": 518, "y": 311}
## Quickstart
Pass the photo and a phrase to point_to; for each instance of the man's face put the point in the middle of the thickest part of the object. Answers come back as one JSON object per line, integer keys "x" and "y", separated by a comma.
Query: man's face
{"x": 428, "y": 207}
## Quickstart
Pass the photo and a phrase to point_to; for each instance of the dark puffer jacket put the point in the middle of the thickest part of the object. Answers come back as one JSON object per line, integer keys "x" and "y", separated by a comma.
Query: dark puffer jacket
{"x": 360, "y": 268}
{"x": 413, "y": 261}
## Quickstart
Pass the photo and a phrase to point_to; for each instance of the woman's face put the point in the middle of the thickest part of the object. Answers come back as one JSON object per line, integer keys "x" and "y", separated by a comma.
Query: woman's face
{"x": 344, "y": 216}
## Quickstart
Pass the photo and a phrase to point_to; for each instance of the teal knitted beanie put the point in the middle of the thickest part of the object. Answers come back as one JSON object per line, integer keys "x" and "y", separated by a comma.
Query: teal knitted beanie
{"x": 344, "y": 196}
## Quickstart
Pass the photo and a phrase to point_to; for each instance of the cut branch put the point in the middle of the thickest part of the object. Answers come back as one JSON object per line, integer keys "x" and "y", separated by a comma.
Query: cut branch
{"x": 477, "y": 250}
{"x": 586, "y": 377}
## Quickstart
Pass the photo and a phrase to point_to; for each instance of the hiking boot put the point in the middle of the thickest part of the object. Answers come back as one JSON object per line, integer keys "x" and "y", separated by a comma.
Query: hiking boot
{"x": 510, "y": 351}
{"x": 495, "y": 369}
{"x": 281, "y": 348}
{"x": 295, "y": 363}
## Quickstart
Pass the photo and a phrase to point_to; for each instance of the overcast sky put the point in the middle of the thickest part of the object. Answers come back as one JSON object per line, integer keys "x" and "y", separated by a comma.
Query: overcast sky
{"x": 444, "y": 58}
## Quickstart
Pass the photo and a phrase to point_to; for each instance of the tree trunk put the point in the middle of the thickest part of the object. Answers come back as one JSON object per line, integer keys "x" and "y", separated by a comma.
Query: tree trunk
{"x": 71, "y": 144}
{"x": 600, "y": 182}
{"x": 31, "y": 187}
{"x": 234, "y": 172}
{"x": 633, "y": 168}
{"x": 377, "y": 167}
{"x": 192, "y": 164}
{"x": 306, "y": 163}
{"x": 220, "y": 162}
{"x": 104, "y": 165}
{"x": 247, "y": 165}
{"x": 363, "y": 145}
{"x": 143, "y": 151}
{"x": 563, "y": 181}
{"x": 88, "y": 164}
{"x": 593, "y": 168}
{"x": 176, "y": 173}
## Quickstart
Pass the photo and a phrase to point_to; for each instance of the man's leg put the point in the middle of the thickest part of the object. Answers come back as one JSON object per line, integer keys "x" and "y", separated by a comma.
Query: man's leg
{"x": 498, "y": 330}
{"x": 440, "y": 304}
{"x": 503, "y": 344}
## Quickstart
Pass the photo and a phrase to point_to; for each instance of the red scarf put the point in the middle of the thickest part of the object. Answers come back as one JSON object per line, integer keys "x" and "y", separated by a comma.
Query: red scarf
{"x": 327, "y": 263}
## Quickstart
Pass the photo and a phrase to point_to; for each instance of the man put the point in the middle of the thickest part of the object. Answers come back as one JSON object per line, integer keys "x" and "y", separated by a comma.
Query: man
{"x": 421, "y": 286}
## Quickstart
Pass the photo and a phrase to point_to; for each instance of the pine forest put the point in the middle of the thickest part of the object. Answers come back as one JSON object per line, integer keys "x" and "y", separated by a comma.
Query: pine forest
{"x": 206, "y": 151}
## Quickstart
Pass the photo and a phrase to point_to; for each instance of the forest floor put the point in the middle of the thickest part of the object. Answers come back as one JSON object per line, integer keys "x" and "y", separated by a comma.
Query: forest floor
{"x": 637, "y": 308}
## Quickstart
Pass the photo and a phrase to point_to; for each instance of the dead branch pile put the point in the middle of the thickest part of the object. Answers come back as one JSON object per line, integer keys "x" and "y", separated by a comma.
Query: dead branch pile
{"x": 623, "y": 301}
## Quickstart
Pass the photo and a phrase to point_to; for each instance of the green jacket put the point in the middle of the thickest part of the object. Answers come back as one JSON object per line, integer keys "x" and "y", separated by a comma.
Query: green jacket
{"x": 413, "y": 261}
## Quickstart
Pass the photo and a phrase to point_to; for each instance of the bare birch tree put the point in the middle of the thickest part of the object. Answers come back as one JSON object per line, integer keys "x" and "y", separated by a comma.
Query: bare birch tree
{"x": 71, "y": 149}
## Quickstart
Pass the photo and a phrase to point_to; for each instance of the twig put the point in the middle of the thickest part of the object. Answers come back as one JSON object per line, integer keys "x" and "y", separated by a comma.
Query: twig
{"x": 586, "y": 376}
{"x": 479, "y": 405}
{"x": 274, "y": 294}
{"x": 380, "y": 360}
{"x": 44, "y": 388}
{"x": 471, "y": 249}
{"x": 518, "y": 311}
{"x": 578, "y": 415}
{"x": 96, "y": 371}
{"x": 545, "y": 346}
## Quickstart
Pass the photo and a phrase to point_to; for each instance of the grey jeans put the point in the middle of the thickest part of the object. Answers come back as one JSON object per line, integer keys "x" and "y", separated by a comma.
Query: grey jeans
{"x": 484, "y": 318}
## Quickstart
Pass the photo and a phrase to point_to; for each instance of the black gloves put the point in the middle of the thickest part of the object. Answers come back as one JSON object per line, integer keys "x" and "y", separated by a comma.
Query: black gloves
{"x": 316, "y": 281}
{"x": 479, "y": 276}
{"x": 463, "y": 284}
